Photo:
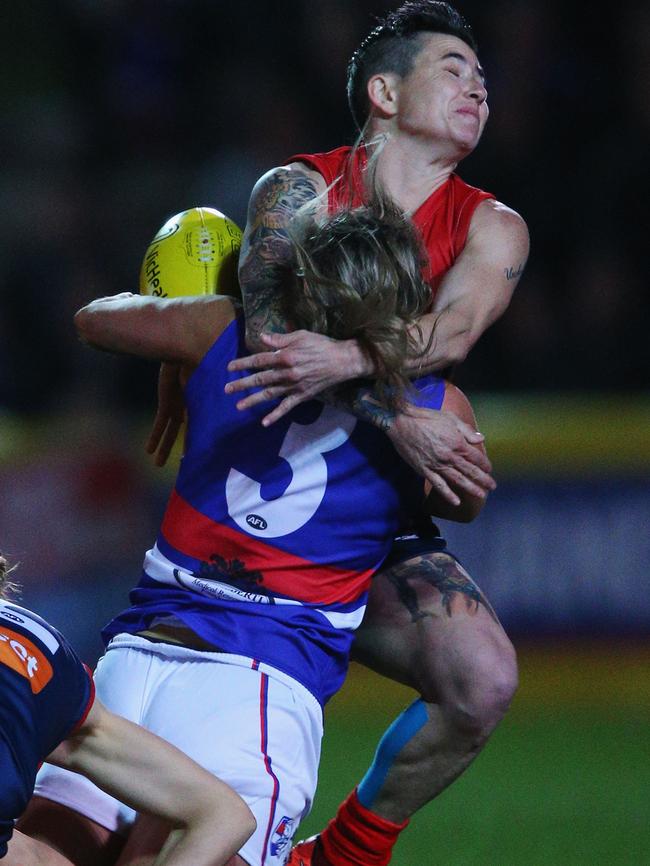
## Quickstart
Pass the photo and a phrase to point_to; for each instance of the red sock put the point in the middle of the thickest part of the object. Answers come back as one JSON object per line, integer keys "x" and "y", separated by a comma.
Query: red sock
{"x": 359, "y": 837}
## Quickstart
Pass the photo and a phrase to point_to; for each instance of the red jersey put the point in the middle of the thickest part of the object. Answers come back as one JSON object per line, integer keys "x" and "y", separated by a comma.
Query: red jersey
{"x": 443, "y": 219}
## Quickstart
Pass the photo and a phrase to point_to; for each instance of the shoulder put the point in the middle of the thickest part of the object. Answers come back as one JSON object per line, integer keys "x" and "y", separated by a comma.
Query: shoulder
{"x": 28, "y": 623}
{"x": 495, "y": 222}
{"x": 295, "y": 180}
{"x": 277, "y": 197}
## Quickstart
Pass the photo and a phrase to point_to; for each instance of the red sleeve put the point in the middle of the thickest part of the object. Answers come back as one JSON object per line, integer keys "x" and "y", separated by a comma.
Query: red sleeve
{"x": 333, "y": 166}
{"x": 330, "y": 164}
{"x": 464, "y": 216}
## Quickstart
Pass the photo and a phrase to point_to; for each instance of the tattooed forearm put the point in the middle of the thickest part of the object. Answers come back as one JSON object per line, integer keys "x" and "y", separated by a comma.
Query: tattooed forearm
{"x": 365, "y": 405}
{"x": 266, "y": 257}
{"x": 441, "y": 571}
{"x": 267, "y": 250}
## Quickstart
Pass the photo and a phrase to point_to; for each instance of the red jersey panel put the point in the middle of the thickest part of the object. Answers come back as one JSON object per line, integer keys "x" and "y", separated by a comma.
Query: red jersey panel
{"x": 443, "y": 219}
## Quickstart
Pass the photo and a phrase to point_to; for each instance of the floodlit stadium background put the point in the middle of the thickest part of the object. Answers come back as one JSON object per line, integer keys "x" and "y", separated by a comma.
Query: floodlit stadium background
{"x": 119, "y": 114}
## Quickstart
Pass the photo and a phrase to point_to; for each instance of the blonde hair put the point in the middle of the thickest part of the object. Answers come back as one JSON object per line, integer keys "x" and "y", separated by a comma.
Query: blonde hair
{"x": 358, "y": 275}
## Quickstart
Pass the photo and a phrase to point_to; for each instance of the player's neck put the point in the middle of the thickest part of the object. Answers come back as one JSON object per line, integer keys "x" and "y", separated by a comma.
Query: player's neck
{"x": 409, "y": 172}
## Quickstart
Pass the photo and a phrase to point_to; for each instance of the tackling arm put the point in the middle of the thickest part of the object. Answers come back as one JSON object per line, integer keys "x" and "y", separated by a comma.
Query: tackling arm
{"x": 472, "y": 295}
{"x": 179, "y": 330}
{"x": 153, "y": 776}
{"x": 477, "y": 289}
{"x": 438, "y": 445}
{"x": 176, "y": 331}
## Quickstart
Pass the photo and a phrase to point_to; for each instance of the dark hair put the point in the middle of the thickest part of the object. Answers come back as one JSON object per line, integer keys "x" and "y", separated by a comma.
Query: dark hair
{"x": 7, "y": 587}
{"x": 394, "y": 44}
{"x": 359, "y": 275}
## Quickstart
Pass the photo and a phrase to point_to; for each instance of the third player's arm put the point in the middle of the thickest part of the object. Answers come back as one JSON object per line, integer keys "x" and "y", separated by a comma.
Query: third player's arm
{"x": 179, "y": 330}
{"x": 150, "y": 775}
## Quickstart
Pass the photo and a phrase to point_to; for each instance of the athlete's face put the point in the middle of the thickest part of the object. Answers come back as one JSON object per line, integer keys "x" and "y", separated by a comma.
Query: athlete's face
{"x": 444, "y": 97}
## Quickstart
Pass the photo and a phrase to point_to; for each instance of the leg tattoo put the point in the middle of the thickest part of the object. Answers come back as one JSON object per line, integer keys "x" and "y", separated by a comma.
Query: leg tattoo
{"x": 443, "y": 573}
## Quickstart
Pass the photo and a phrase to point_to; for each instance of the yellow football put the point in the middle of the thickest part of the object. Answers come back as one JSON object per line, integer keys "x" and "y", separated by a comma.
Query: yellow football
{"x": 194, "y": 253}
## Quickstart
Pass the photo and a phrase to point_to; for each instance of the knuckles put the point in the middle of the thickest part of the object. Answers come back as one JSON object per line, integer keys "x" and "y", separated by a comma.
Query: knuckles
{"x": 293, "y": 375}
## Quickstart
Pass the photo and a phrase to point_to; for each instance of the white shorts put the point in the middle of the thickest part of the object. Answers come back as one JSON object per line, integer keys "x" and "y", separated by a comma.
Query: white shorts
{"x": 252, "y": 726}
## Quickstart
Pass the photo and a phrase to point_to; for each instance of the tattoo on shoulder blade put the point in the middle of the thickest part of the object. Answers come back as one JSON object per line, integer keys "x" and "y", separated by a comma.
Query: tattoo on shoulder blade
{"x": 267, "y": 249}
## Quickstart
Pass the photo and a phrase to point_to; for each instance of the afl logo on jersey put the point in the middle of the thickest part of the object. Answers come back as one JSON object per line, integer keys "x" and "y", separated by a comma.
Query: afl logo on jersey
{"x": 256, "y": 522}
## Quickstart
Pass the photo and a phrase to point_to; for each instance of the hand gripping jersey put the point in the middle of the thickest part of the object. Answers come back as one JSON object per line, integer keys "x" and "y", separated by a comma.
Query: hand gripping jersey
{"x": 47, "y": 692}
{"x": 443, "y": 219}
{"x": 271, "y": 535}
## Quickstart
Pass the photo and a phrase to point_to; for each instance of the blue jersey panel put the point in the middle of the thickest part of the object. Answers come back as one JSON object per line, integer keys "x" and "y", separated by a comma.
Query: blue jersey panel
{"x": 272, "y": 534}
{"x": 296, "y": 639}
{"x": 46, "y": 691}
{"x": 337, "y": 503}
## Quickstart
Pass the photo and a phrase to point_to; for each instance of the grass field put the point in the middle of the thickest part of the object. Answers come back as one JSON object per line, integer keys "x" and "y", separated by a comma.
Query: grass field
{"x": 564, "y": 781}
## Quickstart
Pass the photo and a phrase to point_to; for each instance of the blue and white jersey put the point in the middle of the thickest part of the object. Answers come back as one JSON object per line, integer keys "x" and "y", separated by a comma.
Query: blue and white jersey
{"x": 46, "y": 693}
{"x": 271, "y": 535}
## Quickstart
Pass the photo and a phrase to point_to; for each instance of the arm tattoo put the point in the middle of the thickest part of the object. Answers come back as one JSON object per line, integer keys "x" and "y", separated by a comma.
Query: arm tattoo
{"x": 513, "y": 273}
{"x": 365, "y": 405}
{"x": 266, "y": 252}
{"x": 267, "y": 248}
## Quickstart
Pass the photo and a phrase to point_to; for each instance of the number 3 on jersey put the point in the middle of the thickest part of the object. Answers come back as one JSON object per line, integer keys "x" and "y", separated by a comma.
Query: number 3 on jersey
{"x": 303, "y": 448}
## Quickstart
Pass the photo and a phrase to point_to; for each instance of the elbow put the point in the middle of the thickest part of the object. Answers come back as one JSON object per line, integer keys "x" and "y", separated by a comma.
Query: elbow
{"x": 249, "y": 824}
{"x": 459, "y": 348}
{"x": 83, "y": 324}
{"x": 239, "y": 818}
{"x": 90, "y": 322}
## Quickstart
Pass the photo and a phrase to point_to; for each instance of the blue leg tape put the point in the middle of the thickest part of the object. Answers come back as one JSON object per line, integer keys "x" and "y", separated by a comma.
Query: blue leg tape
{"x": 403, "y": 729}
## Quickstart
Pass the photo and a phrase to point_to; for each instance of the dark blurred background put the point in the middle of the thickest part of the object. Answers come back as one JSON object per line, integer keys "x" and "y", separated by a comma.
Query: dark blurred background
{"x": 118, "y": 114}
